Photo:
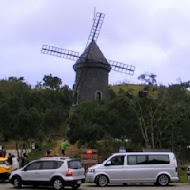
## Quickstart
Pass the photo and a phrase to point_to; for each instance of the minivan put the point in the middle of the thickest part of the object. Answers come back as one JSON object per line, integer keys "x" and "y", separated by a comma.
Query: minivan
{"x": 159, "y": 168}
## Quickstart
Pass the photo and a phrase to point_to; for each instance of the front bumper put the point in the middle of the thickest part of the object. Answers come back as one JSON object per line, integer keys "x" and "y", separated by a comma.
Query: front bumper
{"x": 90, "y": 177}
{"x": 4, "y": 176}
{"x": 188, "y": 175}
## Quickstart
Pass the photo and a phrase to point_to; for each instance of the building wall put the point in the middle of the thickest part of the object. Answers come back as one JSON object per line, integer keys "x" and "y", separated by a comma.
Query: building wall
{"x": 90, "y": 78}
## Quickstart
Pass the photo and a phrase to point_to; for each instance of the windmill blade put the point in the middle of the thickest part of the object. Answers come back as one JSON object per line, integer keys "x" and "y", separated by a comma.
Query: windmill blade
{"x": 58, "y": 52}
{"x": 95, "y": 31}
{"x": 121, "y": 67}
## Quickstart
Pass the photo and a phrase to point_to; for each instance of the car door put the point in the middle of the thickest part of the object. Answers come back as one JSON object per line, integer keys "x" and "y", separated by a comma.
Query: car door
{"x": 114, "y": 168}
{"x": 136, "y": 168}
{"x": 47, "y": 170}
{"x": 30, "y": 172}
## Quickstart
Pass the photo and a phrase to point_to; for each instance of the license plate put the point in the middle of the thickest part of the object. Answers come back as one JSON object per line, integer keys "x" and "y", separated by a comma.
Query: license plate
{"x": 79, "y": 182}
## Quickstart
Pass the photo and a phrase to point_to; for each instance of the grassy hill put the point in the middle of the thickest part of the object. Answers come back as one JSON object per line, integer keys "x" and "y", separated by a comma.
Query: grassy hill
{"x": 133, "y": 88}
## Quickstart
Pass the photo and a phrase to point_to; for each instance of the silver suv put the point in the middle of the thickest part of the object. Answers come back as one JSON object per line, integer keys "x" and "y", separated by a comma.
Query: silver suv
{"x": 51, "y": 171}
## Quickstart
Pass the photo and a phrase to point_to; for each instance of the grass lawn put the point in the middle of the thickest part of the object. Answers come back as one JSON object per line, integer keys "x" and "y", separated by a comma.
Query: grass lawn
{"x": 182, "y": 169}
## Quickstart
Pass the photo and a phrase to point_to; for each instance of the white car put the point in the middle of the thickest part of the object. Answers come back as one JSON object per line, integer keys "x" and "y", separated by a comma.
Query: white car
{"x": 51, "y": 171}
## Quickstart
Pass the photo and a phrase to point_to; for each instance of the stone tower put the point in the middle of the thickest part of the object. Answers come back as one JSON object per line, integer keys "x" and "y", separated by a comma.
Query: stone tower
{"x": 92, "y": 69}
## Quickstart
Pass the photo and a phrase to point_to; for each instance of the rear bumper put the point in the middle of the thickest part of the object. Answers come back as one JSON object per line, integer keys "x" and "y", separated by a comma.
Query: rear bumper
{"x": 174, "y": 179}
{"x": 74, "y": 182}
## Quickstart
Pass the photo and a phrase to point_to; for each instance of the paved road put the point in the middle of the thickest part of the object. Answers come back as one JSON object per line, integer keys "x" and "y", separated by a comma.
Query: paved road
{"x": 8, "y": 186}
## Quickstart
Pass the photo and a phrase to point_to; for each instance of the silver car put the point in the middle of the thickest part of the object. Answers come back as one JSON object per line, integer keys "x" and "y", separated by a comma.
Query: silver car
{"x": 188, "y": 173}
{"x": 51, "y": 171}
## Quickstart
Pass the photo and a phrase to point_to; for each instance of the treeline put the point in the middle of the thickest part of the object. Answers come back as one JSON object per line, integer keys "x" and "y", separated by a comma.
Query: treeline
{"x": 158, "y": 117}
{"x": 32, "y": 113}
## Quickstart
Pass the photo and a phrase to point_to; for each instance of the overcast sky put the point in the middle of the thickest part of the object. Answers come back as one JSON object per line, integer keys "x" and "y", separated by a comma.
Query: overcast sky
{"x": 152, "y": 35}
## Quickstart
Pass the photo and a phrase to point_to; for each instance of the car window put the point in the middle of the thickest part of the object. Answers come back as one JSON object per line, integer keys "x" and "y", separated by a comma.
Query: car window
{"x": 74, "y": 164}
{"x": 33, "y": 166}
{"x": 148, "y": 159}
{"x": 58, "y": 164}
{"x": 137, "y": 159}
{"x": 158, "y": 159}
{"x": 117, "y": 160}
{"x": 50, "y": 164}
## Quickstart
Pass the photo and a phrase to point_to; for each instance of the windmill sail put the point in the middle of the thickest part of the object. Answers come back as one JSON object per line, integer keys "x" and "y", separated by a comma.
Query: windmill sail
{"x": 96, "y": 27}
{"x": 58, "y": 52}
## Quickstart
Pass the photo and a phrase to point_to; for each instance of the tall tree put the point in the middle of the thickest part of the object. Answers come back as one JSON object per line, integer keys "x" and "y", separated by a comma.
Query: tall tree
{"x": 51, "y": 82}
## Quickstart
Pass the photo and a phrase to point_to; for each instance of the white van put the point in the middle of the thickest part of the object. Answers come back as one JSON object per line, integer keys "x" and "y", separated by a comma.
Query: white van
{"x": 159, "y": 168}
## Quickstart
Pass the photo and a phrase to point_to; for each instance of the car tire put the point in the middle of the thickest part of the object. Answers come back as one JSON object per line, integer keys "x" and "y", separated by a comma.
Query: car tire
{"x": 101, "y": 180}
{"x": 163, "y": 180}
{"x": 76, "y": 186}
{"x": 58, "y": 184}
{"x": 35, "y": 186}
{"x": 17, "y": 182}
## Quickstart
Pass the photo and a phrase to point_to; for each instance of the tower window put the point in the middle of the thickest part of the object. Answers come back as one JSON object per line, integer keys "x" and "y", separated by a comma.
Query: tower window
{"x": 98, "y": 95}
{"x": 75, "y": 98}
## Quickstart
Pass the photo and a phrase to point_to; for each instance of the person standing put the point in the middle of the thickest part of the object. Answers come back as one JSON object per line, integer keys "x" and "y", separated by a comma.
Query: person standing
{"x": 63, "y": 147}
{"x": 48, "y": 154}
{"x": 15, "y": 163}
{"x": 3, "y": 153}
{"x": 9, "y": 159}
{"x": 24, "y": 160}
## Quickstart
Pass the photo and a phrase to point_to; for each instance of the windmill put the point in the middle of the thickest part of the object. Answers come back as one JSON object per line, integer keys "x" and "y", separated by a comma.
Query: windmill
{"x": 91, "y": 66}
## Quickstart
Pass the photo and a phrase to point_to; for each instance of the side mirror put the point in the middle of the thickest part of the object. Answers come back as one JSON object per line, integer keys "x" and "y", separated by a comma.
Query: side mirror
{"x": 108, "y": 163}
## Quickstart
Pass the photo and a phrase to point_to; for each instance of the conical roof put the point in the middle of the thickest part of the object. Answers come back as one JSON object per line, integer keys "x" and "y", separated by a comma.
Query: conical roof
{"x": 92, "y": 54}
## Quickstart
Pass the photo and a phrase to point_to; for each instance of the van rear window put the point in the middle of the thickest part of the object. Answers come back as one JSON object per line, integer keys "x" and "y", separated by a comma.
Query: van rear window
{"x": 148, "y": 159}
{"x": 158, "y": 159}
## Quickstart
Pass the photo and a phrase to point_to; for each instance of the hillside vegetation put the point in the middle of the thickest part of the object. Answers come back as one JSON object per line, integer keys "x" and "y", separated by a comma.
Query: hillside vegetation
{"x": 138, "y": 116}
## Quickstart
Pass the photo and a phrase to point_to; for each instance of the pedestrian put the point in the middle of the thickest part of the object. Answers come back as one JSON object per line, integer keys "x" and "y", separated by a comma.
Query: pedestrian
{"x": 63, "y": 147}
{"x": 3, "y": 152}
{"x": 15, "y": 163}
{"x": 48, "y": 153}
{"x": 9, "y": 159}
{"x": 24, "y": 160}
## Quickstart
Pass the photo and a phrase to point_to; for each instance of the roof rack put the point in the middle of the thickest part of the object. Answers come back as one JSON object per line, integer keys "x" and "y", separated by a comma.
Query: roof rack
{"x": 56, "y": 157}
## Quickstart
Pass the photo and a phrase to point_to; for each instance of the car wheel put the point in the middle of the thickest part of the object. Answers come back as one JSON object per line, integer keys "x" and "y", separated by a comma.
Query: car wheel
{"x": 35, "y": 186}
{"x": 58, "y": 184}
{"x": 102, "y": 181}
{"x": 76, "y": 186}
{"x": 163, "y": 180}
{"x": 17, "y": 182}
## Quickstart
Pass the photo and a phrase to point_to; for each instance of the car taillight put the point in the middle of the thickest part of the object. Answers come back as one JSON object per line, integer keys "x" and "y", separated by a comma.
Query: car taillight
{"x": 69, "y": 173}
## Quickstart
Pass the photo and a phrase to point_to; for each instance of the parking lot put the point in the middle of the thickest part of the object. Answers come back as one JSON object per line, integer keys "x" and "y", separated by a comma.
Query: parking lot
{"x": 88, "y": 186}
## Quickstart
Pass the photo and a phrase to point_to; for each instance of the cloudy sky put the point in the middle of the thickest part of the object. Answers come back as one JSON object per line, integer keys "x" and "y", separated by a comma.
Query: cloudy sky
{"x": 152, "y": 35}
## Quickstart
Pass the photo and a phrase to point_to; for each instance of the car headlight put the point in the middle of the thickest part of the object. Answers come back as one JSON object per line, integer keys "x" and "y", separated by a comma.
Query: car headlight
{"x": 7, "y": 167}
{"x": 91, "y": 170}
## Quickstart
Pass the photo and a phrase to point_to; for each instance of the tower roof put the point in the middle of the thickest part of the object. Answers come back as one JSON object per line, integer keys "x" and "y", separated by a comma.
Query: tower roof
{"x": 92, "y": 53}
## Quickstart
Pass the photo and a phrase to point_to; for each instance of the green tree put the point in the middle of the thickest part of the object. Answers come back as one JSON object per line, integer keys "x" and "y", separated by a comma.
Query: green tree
{"x": 51, "y": 82}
